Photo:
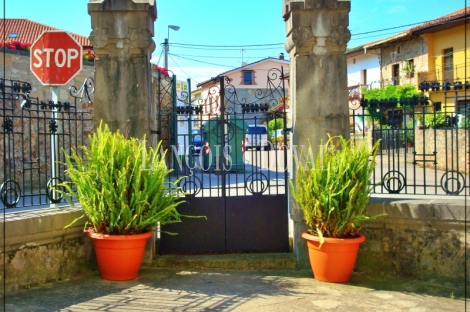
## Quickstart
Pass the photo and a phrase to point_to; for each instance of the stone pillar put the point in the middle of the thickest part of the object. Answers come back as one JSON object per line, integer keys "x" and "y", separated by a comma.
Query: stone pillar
{"x": 122, "y": 32}
{"x": 317, "y": 34}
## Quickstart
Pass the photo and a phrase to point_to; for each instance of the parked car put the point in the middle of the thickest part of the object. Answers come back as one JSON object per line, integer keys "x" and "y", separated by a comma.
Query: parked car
{"x": 257, "y": 137}
{"x": 197, "y": 140}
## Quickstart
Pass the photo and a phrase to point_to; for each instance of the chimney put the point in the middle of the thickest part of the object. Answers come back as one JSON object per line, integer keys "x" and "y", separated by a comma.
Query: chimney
{"x": 281, "y": 56}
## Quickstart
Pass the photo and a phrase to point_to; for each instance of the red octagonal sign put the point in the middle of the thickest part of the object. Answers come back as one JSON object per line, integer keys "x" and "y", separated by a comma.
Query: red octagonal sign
{"x": 55, "y": 58}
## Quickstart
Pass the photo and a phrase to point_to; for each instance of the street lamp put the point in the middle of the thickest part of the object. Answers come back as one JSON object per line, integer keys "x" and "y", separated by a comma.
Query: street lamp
{"x": 167, "y": 48}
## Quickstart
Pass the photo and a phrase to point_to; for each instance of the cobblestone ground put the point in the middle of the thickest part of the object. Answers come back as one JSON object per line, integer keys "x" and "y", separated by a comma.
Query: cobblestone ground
{"x": 227, "y": 290}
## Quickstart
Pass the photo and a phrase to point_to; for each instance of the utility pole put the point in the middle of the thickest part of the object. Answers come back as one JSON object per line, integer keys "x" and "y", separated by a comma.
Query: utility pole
{"x": 167, "y": 46}
{"x": 166, "y": 52}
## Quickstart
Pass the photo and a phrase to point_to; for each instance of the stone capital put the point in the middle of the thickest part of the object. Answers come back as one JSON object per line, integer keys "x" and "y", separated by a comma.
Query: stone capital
{"x": 316, "y": 27}
{"x": 122, "y": 27}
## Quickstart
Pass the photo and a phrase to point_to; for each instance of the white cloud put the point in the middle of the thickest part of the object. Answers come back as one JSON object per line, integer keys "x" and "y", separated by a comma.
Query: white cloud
{"x": 397, "y": 9}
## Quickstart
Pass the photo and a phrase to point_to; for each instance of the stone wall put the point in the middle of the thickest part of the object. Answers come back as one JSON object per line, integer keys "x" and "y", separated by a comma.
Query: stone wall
{"x": 40, "y": 250}
{"x": 412, "y": 48}
{"x": 420, "y": 238}
{"x": 450, "y": 144}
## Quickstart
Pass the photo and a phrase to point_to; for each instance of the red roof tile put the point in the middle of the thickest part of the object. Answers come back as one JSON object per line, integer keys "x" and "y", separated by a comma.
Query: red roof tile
{"x": 451, "y": 17}
{"x": 446, "y": 18}
{"x": 28, "y": 31}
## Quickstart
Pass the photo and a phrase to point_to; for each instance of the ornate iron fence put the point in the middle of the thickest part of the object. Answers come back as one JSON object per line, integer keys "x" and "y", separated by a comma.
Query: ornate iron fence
{"x": 424, "y": 147}
{"x": 34, "y": 135}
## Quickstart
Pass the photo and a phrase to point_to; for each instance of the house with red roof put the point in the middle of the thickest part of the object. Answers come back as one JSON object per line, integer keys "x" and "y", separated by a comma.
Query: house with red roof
{"x": 27, "y": 31}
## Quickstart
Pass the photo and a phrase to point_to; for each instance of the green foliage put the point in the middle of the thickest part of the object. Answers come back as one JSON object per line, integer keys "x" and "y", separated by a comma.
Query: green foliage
{"x": 399, "y": 92}
{"x": 409, "y": 67}
{"x": 332, "y": 188}
{"x": 405, "y": 91}
{"x": 120, "y": 185}
{"x": 273, "y": 125}
{"x": 436, "y": 120}
{"x": 464, "y": 121}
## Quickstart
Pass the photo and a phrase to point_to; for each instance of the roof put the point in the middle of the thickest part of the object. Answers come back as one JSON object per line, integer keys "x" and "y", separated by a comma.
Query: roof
{"x": 456, "y": 16}
{"x": 398, "y": 36}
{"x": 451, "y": 17}
{"x": 355, "y": 49}
{"x": 244, "y": 67}
{"x": 28, "y": 31}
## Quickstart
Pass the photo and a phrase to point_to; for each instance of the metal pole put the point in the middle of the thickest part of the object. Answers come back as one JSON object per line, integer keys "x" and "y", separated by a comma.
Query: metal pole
{"x": 54, "y": 146}
{"x": 190, "y": 120}
{"x": 166, "y": 53}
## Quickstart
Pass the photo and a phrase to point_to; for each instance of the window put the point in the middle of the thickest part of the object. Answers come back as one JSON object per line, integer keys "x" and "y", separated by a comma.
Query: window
{"x": 396, "y": 74}
{"x": 463, "y": 107}
{"x": 437, "y": 106}
{"x": 409, "y": 68}
{"x": 364, "y": 77}
{"x": 248, "y": 77}
{"x": 398, "y": 49}
{"x": 448, "y": 64}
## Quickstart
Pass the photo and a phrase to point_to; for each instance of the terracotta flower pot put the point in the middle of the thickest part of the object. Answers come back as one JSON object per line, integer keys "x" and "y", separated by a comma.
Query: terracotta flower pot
{"x": 119, "y": 256}
{"x": 335, "y": 260}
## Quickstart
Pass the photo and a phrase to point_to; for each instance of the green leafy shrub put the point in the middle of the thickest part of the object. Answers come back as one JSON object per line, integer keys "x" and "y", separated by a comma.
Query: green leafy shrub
{"x": 273, "y": 125}
{"x": 437, "y": 120}
{"x": 399, "y": 92}
{"x": 332, "y": 188}
{"x": 121, "y": 186}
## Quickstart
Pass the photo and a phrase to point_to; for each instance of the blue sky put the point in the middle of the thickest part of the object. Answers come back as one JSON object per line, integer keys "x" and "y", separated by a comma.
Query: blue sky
{"x": 237, "y": 23}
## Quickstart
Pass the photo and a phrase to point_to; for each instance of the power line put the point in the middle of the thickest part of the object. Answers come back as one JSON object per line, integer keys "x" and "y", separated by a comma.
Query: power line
{"x": 228, "y": 46}
{"x": 183, "y": 70}
{"x": 373, "y": 31}
{"x": 160, "y": 57}
{"x": 237, "y": 47}
{"x": 186, "y": 58}
{"x": 220, "y": 48}
{"x": 221, "y": 57}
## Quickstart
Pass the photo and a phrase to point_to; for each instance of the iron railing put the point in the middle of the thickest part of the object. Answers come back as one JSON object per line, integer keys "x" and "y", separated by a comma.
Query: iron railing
{"x": 34, "y": 136}
{"x": 424, "y": 148}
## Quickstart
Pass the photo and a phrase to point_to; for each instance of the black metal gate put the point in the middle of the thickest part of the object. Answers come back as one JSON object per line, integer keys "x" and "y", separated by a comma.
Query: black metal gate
{"x": 232, "y": 166}
{"x": 33, "y": 135}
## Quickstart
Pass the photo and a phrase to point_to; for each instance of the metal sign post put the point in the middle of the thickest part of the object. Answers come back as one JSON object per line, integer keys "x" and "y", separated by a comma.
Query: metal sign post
{"x": 56, "y": 57}
{"x": 54, "y": 146}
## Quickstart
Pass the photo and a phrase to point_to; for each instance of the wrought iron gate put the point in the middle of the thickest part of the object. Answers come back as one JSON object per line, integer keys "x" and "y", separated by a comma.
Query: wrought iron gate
{"x": 232, "y": 169}
{"x": 33, "y": 135}
{"x": 424, "y": 144}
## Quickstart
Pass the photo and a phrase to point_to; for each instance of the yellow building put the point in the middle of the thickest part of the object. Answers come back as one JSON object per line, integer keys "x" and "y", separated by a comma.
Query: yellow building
{"x": 432, "y": 57}
{"x": 448, "y": 68}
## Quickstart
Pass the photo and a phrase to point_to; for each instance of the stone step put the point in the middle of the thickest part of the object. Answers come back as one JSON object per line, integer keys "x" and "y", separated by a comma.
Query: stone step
{"x": 258, "y": 261}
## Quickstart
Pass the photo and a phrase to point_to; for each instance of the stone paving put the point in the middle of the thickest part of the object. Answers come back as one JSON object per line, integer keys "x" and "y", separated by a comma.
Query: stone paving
{"x": 158, "y": 289}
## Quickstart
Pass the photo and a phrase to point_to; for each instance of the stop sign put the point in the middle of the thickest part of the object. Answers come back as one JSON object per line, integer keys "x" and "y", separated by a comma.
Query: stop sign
{"x": 55, "y": 58}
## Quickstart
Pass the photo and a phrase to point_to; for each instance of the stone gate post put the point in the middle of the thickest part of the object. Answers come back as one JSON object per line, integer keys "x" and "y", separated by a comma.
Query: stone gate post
{"x": 122, "y": 32}
{"x": 317, "y": 34}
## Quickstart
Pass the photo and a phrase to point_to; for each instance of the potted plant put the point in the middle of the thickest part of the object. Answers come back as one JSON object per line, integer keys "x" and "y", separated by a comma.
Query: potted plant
{"x": 408, "y": 69}
{"x": 332, "y": 189}
{"x": 122, "y": 189}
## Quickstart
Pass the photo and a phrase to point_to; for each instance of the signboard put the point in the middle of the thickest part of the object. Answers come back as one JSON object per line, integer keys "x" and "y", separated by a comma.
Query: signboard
{"x": 56, "y": 57}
